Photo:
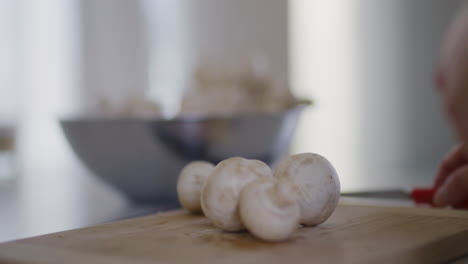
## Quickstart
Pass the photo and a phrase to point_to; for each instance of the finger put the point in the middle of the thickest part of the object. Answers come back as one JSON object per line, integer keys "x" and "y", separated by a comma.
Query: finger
{"x": 453, "y": 160}
{"x": 457, "y": 110}
{"x": 455, "y": 79}
{"x": 454, "y": 190}
{"x": 451, "y": 75}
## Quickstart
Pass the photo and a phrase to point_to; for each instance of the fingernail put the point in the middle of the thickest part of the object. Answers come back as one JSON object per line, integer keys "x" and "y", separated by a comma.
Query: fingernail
{"x": 440, "y": 198}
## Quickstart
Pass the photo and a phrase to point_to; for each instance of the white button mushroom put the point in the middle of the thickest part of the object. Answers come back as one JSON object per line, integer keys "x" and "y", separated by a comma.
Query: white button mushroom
{"x": 220, "y": 195}
{"x": 318, "y": 183}
{"x": 190, "y": 183}
{"x": 269, "y": 209}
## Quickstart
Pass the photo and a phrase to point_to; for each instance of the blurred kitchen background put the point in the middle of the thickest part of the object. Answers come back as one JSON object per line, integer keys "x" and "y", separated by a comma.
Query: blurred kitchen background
{"x": 366, "y": 64}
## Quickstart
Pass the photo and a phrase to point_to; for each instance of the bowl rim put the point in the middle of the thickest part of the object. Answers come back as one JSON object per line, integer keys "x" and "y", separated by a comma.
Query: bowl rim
{"x": 299, "y": 105}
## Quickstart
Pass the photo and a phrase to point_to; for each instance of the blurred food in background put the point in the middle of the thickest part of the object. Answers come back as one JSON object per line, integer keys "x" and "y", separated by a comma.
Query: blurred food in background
{"x": 134, "y": 106}
{"x": 216, "y": 88}
{"x": 248, "y": 88}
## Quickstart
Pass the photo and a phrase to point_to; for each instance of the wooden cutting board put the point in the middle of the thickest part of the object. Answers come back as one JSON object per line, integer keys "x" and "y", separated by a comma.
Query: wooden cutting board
{"x": 354, "y": 234}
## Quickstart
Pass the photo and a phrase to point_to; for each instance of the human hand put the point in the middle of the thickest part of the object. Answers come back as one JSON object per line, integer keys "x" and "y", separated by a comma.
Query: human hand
{"x": 451, "y": 180}
{"x": 451, "y": 77}
{"x": 452, "y": 82}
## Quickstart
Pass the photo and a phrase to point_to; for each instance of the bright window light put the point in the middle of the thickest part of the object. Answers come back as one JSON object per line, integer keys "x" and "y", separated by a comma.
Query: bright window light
{"x": 323, "y": 53}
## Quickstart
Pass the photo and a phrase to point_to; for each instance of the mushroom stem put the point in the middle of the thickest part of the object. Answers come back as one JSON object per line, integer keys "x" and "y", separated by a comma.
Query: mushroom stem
{"x": 220, "y": 195}
{"x": 283, "y": 193}
{"x": 269, "y": 210}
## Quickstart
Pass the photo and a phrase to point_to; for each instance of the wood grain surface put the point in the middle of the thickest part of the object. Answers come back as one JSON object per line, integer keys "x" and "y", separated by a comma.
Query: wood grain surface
{"x": 354, "y": 234}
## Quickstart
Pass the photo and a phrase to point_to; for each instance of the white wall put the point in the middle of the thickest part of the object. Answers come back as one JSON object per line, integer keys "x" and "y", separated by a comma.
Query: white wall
{"x": 114, "y": 50}
{"x": 368, "y": 64}
{"x": 185, "y": 32}
{"x": 9, "y": 61}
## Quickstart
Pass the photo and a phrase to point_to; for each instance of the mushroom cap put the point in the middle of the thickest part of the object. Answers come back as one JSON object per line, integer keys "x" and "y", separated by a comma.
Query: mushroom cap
{"x": 318, "y": 183}
{"x": 190, "y": 183}
{"x": 220, "y": 195}
{"x": 269, "y": 209}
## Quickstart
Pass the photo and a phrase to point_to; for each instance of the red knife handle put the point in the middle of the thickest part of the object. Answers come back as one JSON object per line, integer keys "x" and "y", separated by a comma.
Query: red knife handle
{"x": 426, "y": 196}
{"x": 423, "y": 195}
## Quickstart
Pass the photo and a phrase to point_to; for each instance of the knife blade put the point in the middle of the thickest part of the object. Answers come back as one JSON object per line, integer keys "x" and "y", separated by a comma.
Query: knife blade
{"x": 421, "y": 196}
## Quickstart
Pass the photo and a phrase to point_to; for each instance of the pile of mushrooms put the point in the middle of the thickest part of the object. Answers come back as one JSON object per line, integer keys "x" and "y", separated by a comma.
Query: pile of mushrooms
{"x": 239, "y": 194}
{"x": 230, "y": 87}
